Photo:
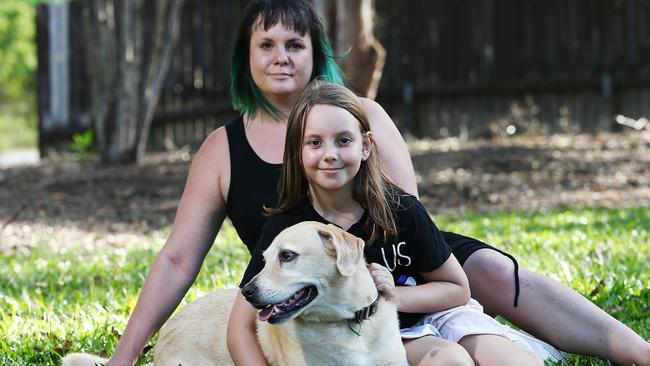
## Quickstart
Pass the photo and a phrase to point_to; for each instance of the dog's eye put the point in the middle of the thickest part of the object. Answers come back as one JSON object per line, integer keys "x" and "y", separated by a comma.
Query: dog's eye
{"x": 287, "y": 255}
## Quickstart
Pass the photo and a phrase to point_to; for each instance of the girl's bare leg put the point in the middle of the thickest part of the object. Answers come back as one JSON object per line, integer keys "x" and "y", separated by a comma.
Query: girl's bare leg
{"x": 494, "y": 350}
{"x": 432, "y": 351}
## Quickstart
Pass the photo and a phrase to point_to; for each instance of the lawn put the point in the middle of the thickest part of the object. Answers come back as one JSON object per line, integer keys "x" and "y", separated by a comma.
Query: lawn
{"x": 64, "y": 298}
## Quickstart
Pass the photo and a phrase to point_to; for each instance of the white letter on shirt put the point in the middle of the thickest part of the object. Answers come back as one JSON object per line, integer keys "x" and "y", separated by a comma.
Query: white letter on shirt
{"x": 403, "y": 256}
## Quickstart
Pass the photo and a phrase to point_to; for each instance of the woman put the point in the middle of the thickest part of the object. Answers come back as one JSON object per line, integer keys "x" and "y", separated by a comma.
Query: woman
{"x": 270, "y": 67}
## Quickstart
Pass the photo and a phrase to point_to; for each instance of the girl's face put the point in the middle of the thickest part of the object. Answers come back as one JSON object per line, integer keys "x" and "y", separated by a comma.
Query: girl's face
{"x": 333, "y": 148}
{"x": 281, "y": 61}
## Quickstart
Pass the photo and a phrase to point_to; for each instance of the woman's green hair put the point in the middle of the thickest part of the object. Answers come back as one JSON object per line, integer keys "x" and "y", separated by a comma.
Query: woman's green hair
{"x": 297, "y": 15}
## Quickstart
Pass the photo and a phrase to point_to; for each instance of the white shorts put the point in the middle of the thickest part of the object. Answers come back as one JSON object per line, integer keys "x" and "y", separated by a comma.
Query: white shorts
{"x": 469, "y": 319}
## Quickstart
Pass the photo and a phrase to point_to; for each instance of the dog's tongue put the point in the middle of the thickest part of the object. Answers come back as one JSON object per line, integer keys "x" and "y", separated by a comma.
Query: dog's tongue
{"x": 265, "y": 314}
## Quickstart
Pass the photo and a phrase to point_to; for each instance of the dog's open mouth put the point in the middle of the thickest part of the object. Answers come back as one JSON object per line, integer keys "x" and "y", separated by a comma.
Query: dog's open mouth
{"x": 275, "y": 313}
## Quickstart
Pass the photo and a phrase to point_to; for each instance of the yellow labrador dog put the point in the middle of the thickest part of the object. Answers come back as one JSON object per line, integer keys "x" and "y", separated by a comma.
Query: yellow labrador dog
{"x": 316, "y": 292}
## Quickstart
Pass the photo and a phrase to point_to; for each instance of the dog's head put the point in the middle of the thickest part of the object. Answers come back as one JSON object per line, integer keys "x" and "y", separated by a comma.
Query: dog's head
{"x": 302, "y": 264}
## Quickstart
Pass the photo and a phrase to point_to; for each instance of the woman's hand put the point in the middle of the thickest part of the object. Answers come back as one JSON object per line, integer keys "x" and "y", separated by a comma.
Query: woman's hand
{"x": 384, "y": 282}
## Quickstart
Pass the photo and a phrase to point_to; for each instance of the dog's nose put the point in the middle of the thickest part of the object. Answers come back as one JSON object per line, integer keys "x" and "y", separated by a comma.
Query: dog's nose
{"x": 249, "y": 291}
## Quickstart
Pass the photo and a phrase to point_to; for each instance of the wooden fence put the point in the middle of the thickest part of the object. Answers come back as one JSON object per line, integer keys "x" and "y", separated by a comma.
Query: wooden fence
{"x": 454, "y": 67}
{"x": 463, "y": 66}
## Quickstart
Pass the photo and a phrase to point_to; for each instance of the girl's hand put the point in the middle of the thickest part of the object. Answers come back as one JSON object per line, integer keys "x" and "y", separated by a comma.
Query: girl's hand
{"x": 384, "y": 282}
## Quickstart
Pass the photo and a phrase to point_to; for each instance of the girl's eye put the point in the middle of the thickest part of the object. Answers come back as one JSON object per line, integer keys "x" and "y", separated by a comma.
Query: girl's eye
{"x": 345, "y": 140}
{"x": 265, "y": 45}
{"x": 313, "y": 143}
{"x": 287, "y": 256}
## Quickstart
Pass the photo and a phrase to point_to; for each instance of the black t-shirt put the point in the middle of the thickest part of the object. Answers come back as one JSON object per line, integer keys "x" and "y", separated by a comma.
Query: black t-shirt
{"x": 418, "y": 246}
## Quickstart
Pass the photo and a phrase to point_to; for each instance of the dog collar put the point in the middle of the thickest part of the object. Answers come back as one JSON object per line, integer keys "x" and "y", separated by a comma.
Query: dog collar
{"x": 362, "y": 315}
{"x": 366, "y": 312}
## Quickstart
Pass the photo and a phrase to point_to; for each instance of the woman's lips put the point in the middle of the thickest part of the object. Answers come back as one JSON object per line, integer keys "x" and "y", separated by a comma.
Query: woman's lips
{"x": 280, "y": 75}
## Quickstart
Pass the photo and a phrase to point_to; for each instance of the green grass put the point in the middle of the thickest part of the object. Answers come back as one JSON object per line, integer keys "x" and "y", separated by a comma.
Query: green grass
{"x": 77, "y": 299}
{"x": 18, "y": 126}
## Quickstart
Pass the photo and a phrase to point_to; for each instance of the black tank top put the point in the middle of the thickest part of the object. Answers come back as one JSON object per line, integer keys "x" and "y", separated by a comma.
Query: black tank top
{"x": 253, "y": 185}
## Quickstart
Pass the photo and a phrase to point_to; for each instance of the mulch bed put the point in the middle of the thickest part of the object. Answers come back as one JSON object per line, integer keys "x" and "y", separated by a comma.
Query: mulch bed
{"x": 69, "y": 201}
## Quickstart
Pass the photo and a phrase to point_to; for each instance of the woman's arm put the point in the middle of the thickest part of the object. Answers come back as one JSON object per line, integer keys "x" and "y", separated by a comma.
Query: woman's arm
{"x": 394, "y": 154}
{"x": 199, "y": 216}
{"x": 446, "y": 288}
{"x": 242, "y": 342}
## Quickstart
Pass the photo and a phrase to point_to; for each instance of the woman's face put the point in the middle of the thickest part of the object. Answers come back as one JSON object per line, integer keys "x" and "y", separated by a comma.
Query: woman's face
{"x": 281, "y": 62}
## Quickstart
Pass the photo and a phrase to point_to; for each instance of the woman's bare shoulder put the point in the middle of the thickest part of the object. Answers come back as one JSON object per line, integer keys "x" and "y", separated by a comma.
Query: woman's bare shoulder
{"x": 217, "y": 141}
{"x": 214, "y": 149}
{"x": 379, "y": 119}
{"x": 209, "y": 176}
{"x": 213, "y": 157}
{"x": 393, "y": 151}
{"x": 374, "y": 109}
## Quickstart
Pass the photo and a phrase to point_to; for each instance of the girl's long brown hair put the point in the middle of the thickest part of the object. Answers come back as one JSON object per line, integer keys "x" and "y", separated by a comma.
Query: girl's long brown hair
{"x": 373, "y": 188}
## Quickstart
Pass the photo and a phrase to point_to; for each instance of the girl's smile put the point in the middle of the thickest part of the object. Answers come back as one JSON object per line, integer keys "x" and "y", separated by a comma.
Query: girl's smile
{"x": 331, "y": 170}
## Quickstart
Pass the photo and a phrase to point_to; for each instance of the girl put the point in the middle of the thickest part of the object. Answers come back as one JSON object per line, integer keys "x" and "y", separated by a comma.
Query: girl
{"x": 330, "y": 175}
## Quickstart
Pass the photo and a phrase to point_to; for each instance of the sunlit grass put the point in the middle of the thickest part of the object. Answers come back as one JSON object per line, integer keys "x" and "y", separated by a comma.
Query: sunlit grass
{"x": 54, "y": 301}
{"x": 77, "y": 299}
{"x": 601, "y": 253}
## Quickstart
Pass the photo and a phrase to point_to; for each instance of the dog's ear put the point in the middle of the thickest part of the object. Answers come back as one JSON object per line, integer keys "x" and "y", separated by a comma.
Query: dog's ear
{"x": 347, "y": 248}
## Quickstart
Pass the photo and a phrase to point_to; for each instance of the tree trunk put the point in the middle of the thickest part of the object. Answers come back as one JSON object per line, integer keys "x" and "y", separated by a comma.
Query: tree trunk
{"x": 127, "y": 102}
{"x": 124, "y": 88}
{"x": 168, "y": 19}
{"x": 364, "y": 63}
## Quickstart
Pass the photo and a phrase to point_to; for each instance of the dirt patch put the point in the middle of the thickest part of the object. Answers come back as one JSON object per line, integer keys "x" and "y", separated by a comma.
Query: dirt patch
{"x": 70, "y": 201}
{"x": 532, "y": 173}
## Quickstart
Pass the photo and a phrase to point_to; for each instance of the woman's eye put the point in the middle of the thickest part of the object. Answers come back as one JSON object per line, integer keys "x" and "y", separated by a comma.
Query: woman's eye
{"x": 287, "y": 256}
{"x": 295, "y": 46}
{"x": 264, "y": 45}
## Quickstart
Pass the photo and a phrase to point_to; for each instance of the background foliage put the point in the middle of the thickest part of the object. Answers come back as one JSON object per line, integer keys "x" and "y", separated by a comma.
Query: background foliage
{"x": 17, "y": 74}
{"x": 17, "y": 48}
